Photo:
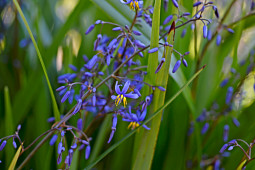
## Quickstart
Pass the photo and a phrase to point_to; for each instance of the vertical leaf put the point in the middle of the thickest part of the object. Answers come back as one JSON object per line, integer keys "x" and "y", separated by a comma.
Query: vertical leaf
{"x": 9, "y": 128}
{"x": 146, "y": 140}
{"x": 55, "y": 107}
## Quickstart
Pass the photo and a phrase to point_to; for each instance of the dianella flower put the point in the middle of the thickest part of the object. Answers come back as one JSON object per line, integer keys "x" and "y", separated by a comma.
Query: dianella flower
{"x": 134, "y": 4}
{"x": 135, "y": 119}
{"x": 122, "y": 96}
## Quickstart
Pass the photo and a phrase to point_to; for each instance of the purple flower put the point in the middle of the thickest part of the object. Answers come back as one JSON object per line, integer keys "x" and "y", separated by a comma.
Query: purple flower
{"x": 90, "y": 29}
{"x": 160, "y": 65}
{"x": 61, "y": 88}
{"x": 205, "y": 31}
{"x": 236, "y": 122}
{"x": 139, "y": 44}
{"x": 223, "y": 148}
{"x": 117, "y": 29}
{"x": 205, "y": 128}
{"x": 184, "y": 62}
{"x": 72, "y": 67}
{"x": 217, "y": 165}
{"x": 161, "y": 88}
{"x": 135, "y": 119}
{"x": 197, "y": 3}
{"x": 14, "y": 144}
{"x": 114, "y": 124}
{"x": 153, "y": 50}
{"x": 122, "y": 96}
{"x": 209, "y": 34}
{"x": 53, "y": 139}
{"x": 218, "y": 39}
{"x": 225, "y": 133}
{"x": 137, "y": 33}
{"x": 87, "y": 152}
{"x": 134, "y": 4}
{"x": 185, "y": 14}
{"x": 79, "y": 124}
{"x": 216, "y": 11}
{"x": 224, "y": 82}
{"x": 184, "y": 31}
{"x": 229, "y": 95}
{"x": 176, "y": 66}
{"x": 231, "y": 31}
{"x": 65, "y": 96}
{"x": 91, "y": 62}
{"x": 175, "y": 3}
{"x": 3, "y": 145}
{"x": 168, "y": 19}
{"x": 74, "y": 146}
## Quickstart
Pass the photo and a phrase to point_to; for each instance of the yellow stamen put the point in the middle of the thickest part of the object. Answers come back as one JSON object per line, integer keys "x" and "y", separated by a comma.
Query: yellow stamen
{"x": 137, "y": 5}
{"x": 132, "y": 5}
{"x": 130, "y": 124}
{"x": 119, "y": 99}
{"x": 124, "y": 101}
{"x": 133, "y": 125}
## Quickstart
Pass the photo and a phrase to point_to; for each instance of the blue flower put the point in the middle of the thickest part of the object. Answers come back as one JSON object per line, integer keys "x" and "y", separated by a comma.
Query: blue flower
{"x": 134, "y": 4}
{"x": 135, "y": 119}
{"x": 122, "y": 96}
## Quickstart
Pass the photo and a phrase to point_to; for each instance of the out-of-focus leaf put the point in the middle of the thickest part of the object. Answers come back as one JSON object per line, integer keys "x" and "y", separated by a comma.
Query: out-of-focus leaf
{"x": 15, "y": 159}
{"x": 9, "y": 128}
{"x": 54, "y": 103}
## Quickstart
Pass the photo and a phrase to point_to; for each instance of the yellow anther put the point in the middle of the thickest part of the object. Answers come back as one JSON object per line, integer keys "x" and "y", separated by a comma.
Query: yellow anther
{"x": 124, "y": 101}
{"x": 133, "y": 125}
{"x": 137, "y": 5}
{"x": 130, "y": 124}
{"x": 119, "y": 99}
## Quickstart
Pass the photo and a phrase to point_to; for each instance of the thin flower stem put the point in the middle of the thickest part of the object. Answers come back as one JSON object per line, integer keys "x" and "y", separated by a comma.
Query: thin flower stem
{"x": 244, "y": 151}
{"x": 243, "y": 142}
{"x": 51, "y": 130}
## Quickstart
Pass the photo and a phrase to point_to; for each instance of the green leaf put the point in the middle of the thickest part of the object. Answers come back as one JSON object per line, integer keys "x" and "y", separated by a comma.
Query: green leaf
{"x": 9, "y": 128}
{"x": 15, "y": 159}
{"x": 145, "y": 122}
{"x": 55, "y": 106}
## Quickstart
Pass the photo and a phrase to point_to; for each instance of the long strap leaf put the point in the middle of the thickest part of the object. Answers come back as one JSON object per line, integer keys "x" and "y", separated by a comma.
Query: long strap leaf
{"x": 15, "y": 159}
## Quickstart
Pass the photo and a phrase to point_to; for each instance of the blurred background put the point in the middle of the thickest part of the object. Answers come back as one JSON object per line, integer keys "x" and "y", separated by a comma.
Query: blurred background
{"x": 59, "y": 27}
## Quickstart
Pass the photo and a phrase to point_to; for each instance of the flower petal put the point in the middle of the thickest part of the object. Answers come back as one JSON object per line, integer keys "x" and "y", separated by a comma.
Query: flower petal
{"x": 125, "y": 2}
{"x": 117, "y": 89}
{"x": 113, "y": 97}
{"x": 126, "y": 86}
{"x": 146, "y": 127}
{"x": 132, "y": 96}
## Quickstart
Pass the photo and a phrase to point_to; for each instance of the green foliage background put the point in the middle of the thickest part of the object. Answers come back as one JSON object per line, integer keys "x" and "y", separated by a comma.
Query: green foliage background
{"x": 59, "y": 26}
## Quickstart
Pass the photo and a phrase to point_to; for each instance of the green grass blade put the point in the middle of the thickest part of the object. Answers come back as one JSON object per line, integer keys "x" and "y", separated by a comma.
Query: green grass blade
{"x": 9, "y": 128}
{"x": 145, "y": 122}
{"x": 15, "y": 159}
{"x": 55, "y": 107}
